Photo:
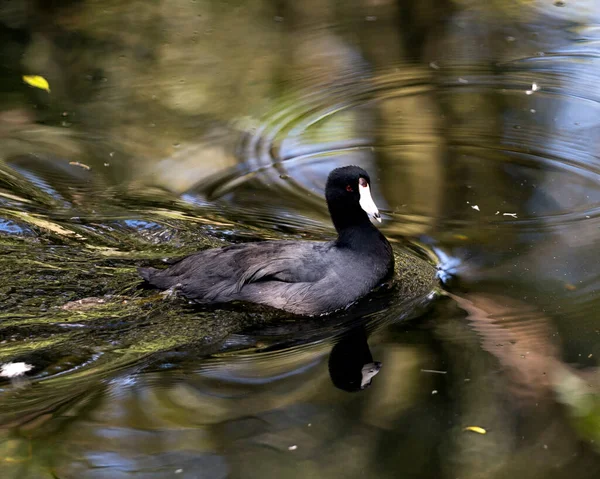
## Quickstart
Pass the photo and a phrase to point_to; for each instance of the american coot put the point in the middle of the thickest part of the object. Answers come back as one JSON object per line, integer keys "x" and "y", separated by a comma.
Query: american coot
{"x": 302, "y": 277}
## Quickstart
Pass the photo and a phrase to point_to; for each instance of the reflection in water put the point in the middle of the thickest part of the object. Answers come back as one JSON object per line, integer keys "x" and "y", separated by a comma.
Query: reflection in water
{"x": 351, "y": 364}
{"x": 173, "y": 127}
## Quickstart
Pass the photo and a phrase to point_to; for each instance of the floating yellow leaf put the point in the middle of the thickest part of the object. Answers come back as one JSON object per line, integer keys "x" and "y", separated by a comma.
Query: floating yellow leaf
{"x": 37, "y": 81}
{"x": 81, "y": 165}
{"x": 477, "y": 429}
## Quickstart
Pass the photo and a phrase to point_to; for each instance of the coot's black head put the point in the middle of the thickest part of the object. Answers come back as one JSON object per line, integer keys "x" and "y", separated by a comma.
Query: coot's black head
{"x": 348, "y": 195}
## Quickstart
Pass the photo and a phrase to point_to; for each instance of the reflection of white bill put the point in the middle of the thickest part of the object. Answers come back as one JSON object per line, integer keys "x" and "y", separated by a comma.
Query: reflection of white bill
{"x": 369, "y": 371}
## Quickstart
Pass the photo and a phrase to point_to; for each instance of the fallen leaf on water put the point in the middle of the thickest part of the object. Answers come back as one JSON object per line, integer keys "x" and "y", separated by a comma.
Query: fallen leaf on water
{"x": 37, "y": 81}
{"x": 477, "y": 429}
{"x": 82, "y": 165}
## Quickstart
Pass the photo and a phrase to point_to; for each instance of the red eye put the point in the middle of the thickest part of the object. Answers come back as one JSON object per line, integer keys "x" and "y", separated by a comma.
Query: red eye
{"x": 349, "y": 188}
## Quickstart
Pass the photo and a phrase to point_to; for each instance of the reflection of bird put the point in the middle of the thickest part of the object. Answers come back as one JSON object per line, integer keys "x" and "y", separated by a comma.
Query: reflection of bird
{"x": 302, "y": 277}
{"x": 351, "y": 366}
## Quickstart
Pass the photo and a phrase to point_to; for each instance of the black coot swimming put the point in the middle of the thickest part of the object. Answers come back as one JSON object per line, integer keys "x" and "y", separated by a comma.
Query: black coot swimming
{"x": 302, "y": 277}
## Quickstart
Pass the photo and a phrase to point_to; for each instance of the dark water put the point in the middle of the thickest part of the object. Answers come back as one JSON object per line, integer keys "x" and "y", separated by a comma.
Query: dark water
{"x": 175, "y": 126}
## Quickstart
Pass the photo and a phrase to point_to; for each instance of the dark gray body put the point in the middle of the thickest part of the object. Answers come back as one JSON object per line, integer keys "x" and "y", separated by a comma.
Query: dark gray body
{"x": 302, "y": 277}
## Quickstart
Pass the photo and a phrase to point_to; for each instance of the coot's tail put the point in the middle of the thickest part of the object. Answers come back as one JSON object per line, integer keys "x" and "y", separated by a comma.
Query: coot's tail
{"x": 157, "y": 277}
{"x": 147, "y": 273}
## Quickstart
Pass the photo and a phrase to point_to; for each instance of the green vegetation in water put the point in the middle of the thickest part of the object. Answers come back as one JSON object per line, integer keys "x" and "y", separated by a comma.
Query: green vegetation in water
{"x": 86, "y": 298}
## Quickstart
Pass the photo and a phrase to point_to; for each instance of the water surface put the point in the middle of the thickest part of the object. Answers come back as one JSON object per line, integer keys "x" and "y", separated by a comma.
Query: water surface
{"x": 176, "y": 126}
